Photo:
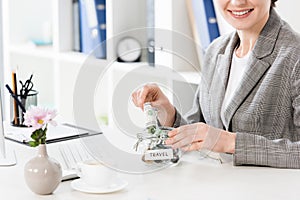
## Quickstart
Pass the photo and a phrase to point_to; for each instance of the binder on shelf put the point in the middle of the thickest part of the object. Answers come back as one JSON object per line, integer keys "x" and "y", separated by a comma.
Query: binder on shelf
{"x": 101, "y": 15}
{"x": 211, "y": 20}
{"x": 150, "y": 33}
{"x": 93, "y": 27}
{"x": 204, "y": 21}
{"x": 76, "y": 26}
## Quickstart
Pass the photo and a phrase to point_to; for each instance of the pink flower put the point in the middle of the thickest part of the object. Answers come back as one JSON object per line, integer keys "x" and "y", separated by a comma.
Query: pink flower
{"x": 38, "y": 117}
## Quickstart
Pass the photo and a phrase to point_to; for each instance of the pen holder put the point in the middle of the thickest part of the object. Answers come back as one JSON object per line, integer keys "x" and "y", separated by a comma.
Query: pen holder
{"x": 17, "y": 114}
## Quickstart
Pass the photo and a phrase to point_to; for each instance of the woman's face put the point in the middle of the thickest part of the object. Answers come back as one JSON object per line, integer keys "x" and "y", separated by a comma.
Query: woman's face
{"x": 245, "y": 14}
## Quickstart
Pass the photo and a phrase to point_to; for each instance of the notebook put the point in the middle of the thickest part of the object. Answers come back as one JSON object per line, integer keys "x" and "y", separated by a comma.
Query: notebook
{"x": 57, "y": 133}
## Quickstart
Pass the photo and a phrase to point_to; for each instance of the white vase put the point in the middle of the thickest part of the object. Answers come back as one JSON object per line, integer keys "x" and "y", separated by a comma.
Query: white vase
{"x": 42, "y": 173}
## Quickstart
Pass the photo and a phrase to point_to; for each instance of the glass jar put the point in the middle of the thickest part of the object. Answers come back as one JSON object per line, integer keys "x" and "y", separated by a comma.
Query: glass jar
{"x": 153, "y": 138}
{"x": 154, "y": 149}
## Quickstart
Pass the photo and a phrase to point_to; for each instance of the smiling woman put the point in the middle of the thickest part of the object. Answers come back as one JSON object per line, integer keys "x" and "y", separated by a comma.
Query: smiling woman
{"x": 249, "y": 16}
{"x": 248, "y": 101}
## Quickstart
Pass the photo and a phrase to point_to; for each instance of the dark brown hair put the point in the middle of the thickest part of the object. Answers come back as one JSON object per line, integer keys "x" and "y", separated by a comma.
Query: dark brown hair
{"x": 273, "y": 3}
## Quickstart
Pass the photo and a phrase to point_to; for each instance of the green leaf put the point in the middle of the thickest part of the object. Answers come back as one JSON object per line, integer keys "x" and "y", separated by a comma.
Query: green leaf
{"x": 39, "y": 137}
{"x": 33, "y": 144}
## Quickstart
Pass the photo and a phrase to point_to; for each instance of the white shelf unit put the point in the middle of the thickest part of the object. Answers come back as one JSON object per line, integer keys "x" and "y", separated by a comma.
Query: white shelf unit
{"x": 56, "y": 67}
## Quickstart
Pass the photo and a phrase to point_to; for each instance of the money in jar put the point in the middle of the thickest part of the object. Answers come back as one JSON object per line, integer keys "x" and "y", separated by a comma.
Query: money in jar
{"x": 153, "y": 140}
{"x": 151, "y": 118}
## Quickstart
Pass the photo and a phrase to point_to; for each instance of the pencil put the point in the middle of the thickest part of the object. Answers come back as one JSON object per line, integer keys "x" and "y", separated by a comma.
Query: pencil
{"x": 15, "y": 91}
{"x": 15, "y": 98}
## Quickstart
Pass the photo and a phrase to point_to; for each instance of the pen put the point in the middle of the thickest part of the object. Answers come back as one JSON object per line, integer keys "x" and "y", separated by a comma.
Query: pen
{"x": 15, "y": 98}
{"x": 30, "y": 77}
{"x": 71, "y": 178}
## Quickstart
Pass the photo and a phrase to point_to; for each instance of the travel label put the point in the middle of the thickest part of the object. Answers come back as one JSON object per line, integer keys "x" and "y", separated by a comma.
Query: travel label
{"x": 159, "y": 154}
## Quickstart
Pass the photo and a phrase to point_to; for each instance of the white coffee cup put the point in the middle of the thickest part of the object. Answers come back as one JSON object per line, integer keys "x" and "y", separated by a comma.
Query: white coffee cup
{"x": 94, "y": 173}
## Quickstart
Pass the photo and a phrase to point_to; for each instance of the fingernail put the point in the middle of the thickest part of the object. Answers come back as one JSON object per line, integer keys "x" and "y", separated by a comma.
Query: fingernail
{"x": 170, "y": 133}
{"x": 168, "y": 141}
{"x": 140, "y": 102}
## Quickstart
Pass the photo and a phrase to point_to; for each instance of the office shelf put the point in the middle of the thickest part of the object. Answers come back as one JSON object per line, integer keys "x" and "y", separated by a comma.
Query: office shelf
{"x": 72, "y": 57}
{"x": 33, "y": 51}
{"x": 143, "y": 68}
{"x": 57, "y": 66}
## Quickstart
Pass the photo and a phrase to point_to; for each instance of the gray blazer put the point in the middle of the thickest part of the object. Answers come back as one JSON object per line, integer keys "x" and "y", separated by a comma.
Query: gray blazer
{"x": 265, "y": 111}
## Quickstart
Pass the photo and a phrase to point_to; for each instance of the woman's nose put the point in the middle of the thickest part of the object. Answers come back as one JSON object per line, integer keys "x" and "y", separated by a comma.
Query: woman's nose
{"x": 238, "y": 2}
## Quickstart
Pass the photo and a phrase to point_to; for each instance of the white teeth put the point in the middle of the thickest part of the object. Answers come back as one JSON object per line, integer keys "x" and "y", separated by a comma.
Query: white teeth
{"x": 240, "y": 13}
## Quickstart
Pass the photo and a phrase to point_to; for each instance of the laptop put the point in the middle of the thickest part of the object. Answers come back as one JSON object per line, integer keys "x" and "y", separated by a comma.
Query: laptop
{"x": 7, "y": 156}
{"x": 61, "y": 132}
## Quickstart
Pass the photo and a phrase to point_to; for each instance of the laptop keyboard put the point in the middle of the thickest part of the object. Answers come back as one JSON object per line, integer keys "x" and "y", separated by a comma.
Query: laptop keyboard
{"x": 68, "y": 154}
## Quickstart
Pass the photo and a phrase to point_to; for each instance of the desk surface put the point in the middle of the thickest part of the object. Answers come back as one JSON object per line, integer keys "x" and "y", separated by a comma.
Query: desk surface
{"x": 192, "y": 178}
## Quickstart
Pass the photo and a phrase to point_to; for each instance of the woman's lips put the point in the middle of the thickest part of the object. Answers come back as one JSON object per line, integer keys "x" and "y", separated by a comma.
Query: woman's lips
{"x": 241, "y": 13}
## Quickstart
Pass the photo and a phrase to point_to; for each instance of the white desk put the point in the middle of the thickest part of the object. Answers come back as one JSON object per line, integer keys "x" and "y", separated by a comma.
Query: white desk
{"x": 191, "y": 179}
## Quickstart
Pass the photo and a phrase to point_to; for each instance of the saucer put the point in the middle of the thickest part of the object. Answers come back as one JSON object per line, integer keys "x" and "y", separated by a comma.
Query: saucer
{"x": 81, "y": 186}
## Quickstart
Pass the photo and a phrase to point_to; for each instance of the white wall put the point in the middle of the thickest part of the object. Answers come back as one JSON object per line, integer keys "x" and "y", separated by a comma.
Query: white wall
{"x": 183, "y": 41}
{"x": 174, "y": 36}
{"x": 289, "y": 11}
{"x": 1, "y": 51}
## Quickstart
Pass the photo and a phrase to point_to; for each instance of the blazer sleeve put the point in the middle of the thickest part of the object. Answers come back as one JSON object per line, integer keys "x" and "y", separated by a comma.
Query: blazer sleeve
{"x": 283, "y": 153}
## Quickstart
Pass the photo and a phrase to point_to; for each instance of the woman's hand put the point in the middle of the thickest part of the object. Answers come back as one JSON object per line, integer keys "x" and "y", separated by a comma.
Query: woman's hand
{"x": 152, "y": 93}
{"x": 202, "y": 136}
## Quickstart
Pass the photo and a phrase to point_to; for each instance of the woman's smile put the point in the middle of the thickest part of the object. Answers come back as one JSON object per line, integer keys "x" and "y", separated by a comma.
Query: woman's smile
{"x": 240, "y": 13}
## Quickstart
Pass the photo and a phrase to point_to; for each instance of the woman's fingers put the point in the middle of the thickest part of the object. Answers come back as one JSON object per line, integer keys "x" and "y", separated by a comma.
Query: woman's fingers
{"x": 134, "y": 98}
{"x": 141, "y": 96}
{"x": 185, "y": 141}
{"x": 193, "y": 147}
{"x": 147, "y": 93}
{"x": 181, "y": 130}
{"x": 179, "y": 138}
{"x": 187, "y": 135}
{"x": 173, "y": 132}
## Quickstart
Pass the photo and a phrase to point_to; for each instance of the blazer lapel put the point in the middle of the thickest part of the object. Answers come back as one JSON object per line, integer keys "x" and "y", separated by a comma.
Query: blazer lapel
{"x": 253, "y": 74}
{"x": 219, "y": 82}
{"x": 217, "y": 90}
{"x": 258, "y": 65}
